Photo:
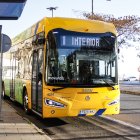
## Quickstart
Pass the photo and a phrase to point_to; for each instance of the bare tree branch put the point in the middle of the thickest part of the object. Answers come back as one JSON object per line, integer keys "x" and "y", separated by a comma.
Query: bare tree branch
{"x": 126, "y": 26}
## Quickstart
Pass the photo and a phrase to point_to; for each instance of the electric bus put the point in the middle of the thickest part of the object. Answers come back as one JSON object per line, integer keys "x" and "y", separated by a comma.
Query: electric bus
{"x": 65, "y": 67}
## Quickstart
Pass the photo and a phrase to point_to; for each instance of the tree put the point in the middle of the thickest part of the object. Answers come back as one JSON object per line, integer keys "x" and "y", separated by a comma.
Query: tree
{"x": 127, "y": 27}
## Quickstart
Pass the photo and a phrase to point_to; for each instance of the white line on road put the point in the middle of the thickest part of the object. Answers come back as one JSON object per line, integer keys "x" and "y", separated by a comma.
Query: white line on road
{"x": 121, "y": 122}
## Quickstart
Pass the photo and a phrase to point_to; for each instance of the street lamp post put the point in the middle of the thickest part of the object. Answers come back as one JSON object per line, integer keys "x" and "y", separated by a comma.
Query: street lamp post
{"x": 51, "y": 9}
{"x": 92, "y": 8}
{"x": 5, "y": 44}
{"x": 92, "y": 12}
{"x": 0, "y": 71}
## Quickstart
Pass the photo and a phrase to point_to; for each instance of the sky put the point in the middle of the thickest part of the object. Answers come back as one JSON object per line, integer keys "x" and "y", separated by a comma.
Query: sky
{"x": 35, "y": 10}
{"x": 130, "y": 64}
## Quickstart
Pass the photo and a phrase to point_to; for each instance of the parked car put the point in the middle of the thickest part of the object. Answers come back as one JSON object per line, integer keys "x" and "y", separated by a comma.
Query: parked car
{"x": 132, "y": 78}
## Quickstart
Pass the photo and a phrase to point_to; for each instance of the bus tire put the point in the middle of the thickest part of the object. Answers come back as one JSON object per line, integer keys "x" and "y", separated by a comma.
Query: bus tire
{"x": 25, "y": 102}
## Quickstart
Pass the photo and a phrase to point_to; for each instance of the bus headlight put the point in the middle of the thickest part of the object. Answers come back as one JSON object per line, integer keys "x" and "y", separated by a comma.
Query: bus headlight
{"x": 53, "y": 103}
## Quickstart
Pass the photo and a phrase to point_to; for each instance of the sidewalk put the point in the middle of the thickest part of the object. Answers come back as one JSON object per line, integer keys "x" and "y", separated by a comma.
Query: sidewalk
{"x": 15, "y": 127}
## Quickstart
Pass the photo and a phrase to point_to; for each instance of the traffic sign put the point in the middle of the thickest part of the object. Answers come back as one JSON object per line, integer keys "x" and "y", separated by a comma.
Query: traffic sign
{"x": 5, "y": 43}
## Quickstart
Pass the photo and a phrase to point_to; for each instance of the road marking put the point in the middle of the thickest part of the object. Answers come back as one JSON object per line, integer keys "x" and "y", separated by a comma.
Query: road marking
{"x": 109, "y": 125}
{"x": 122, "y": 122}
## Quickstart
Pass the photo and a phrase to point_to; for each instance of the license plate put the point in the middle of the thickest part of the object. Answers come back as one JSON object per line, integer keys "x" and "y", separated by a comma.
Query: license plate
{"x": 87, "y": 111}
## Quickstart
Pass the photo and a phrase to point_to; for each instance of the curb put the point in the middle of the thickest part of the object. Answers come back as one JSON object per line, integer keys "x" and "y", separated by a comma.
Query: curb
{"x": 40, "y": 131}
{"x": 130, "y": 92}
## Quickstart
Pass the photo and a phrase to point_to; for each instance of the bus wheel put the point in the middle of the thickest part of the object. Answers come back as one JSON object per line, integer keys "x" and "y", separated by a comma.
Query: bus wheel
{"x": 25, "y": 103}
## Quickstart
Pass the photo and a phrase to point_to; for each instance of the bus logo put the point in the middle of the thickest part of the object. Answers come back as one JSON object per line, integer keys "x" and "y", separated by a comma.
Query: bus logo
{"x": 87, "y": 98}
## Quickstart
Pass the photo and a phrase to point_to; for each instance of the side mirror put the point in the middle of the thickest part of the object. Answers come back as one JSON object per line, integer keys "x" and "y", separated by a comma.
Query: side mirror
{"x": 39, "y": 39}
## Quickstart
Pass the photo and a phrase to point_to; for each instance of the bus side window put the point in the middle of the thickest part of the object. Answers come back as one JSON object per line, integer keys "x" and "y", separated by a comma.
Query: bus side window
{"x": 39, "y": 78}
{"x": 40, "y": 65}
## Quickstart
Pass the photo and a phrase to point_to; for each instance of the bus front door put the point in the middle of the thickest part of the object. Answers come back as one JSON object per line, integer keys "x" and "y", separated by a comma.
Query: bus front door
{"x": 37, "y": 82}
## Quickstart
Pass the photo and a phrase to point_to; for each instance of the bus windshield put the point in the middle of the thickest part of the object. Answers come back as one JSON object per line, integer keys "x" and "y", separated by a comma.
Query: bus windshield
{"x": 81, "y": 59}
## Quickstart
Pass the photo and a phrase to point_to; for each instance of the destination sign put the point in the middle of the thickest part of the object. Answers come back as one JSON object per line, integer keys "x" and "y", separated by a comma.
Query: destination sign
{"x": 78, "y": 41}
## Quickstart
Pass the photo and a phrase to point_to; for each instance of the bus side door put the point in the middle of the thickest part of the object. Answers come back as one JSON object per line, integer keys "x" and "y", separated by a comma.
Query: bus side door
{"x": 37, "y": 69}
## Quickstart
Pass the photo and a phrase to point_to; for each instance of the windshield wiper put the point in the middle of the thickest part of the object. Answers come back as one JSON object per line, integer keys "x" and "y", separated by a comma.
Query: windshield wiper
{"x": 109, "y": 84}
{"x": 54, "y": 89}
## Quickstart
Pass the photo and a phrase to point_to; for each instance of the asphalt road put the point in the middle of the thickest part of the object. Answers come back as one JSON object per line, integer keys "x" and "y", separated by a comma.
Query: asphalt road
{"x": 69, "y": 128}
{"x": 89, "y": 128}
{"x": 130, "y": 109}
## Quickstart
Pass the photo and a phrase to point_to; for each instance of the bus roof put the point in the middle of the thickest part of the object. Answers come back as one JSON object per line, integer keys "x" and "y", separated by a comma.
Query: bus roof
{"x": 79, "y": 25}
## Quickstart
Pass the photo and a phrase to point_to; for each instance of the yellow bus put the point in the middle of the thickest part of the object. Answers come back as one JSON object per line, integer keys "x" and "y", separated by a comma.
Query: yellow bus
{"x": 65, "y": 67}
